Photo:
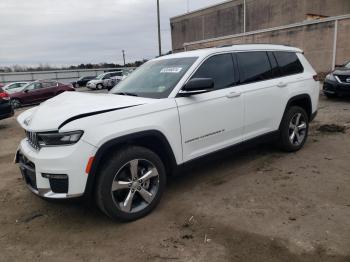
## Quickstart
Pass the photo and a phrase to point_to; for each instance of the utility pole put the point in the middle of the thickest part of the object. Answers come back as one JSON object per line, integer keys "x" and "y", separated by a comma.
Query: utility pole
{"x": 244, "y": 15}
{"x": 123, "y": 51}
{"x": 159, "y": 40}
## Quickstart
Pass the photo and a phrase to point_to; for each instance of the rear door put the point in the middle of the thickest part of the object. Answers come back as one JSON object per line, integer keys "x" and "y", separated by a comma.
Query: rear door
{"x": 212, "y": 120}
{"x": 49, "y": 89}
{"x": 263, "y": 93}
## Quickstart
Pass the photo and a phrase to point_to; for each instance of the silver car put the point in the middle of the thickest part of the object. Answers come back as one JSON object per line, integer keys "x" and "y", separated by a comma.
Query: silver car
{"x": 100, "y": 81}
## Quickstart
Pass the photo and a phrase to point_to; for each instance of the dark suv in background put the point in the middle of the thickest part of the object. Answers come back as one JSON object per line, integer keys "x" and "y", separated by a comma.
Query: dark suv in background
{"x": 82, "y": 81}
{"x": 38, "y": 91}
{"x": 338, "y": 81}
{"x": 6, "y": 109}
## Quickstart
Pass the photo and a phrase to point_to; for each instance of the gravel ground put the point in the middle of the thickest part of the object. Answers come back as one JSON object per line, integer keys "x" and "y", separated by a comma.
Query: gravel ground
{"x": 257, "y": 204}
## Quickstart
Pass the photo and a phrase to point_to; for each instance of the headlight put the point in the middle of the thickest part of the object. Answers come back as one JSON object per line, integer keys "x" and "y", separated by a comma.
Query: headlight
{"x": 331, "y": 77}
{"x": 57, "y": 139}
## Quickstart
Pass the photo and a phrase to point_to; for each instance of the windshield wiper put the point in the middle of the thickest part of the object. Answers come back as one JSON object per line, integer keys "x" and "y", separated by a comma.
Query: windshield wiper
{"x": 125, "y": 94}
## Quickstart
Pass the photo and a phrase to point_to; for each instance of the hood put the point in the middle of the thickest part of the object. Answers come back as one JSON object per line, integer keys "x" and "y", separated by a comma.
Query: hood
{"x": 69, "y": 106}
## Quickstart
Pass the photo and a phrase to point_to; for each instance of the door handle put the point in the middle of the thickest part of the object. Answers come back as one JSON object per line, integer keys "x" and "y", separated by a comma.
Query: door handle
{"x": 282, "y": 84}
{"x": 233, "y": 94}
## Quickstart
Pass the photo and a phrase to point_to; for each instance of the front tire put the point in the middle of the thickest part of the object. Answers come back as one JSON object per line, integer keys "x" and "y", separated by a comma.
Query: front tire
{"x": 99, "y": 87}
{"x": 130, "y": 183}
{"x": 294, "y": 129}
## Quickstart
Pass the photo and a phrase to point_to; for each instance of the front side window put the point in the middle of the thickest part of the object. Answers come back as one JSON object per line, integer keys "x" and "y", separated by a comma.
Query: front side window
{"x": 48, "y": 84}
{"x": 253, "y": 67}
{"x": 288, "y": 63}
{"x": 156, "y": 78}
{"x": 219, "y": 68}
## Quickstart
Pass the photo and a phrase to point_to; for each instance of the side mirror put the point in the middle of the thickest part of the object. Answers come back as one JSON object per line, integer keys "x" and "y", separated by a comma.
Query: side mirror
{"x": 26, "y": 91}
{"x": 197, "y": 86}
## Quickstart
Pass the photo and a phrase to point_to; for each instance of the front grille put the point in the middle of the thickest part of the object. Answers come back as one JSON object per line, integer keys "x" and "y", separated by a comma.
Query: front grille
{"x": 344, "y": 79}
{"x": 32, "y": 138}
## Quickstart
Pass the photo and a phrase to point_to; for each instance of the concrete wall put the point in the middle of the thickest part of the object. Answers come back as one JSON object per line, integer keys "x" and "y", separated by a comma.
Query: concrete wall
{"x": 343, "y": 42}
{"x": 315, "y": 39}
{"x": 227, "y": 18}
{"x": 220, "y": 20}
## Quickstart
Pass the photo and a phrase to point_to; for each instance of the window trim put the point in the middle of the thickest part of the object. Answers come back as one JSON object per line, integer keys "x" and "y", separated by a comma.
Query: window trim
{"x": 235, "y": 71}
{"x": 279, "y": 69}
{"x": 260, "y": 51}
{"x": 273, "y": 52}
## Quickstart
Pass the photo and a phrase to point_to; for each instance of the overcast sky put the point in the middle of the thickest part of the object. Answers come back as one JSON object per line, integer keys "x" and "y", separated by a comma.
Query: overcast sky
{"x": 64, "y": 32}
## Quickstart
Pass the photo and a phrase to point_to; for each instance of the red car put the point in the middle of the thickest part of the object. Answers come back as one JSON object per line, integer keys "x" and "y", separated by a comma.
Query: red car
{"x": 38, "y": 91}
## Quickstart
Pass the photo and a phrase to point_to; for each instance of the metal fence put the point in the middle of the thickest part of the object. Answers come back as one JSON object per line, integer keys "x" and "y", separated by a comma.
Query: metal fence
{"x": 64, "y": 76}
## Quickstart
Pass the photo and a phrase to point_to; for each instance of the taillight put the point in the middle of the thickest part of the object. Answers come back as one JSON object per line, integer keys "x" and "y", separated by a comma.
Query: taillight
{"x": 4, "y": 95}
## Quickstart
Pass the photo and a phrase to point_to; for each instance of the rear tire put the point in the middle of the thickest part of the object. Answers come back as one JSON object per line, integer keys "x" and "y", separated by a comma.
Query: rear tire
{"x": 121, "y": 193}
{"x": 294, "y": 129}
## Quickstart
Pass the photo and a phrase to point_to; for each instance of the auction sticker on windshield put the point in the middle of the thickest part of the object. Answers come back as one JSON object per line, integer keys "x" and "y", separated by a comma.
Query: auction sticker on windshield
{"x": 174, "y": 70}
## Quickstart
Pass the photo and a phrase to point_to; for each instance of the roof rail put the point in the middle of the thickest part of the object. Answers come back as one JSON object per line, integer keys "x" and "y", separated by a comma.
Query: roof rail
{"x": 228, "y": 45}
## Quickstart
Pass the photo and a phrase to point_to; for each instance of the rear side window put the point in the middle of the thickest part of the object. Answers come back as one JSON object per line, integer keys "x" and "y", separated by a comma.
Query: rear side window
{"x": 253, "y": 67}
{"x": 220, "y": 69}
{"x": 288, "y": 63}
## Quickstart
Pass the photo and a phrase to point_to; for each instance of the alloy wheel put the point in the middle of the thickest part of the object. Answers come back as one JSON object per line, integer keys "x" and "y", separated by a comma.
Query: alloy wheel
{"x": 135, "y": 185}
{"x": 297, "y": 129}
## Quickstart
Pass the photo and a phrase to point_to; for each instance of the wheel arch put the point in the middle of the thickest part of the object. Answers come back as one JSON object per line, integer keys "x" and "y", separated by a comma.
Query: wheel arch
{"x": 304, "y": 101}
{"x": 151, "y": 139}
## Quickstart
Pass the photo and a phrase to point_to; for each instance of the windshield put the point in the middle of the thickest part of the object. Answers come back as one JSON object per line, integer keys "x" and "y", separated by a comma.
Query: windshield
{"x": 155, "y": 79}
{"x": 99, "y": 77}
{"x": 347, "y": 65}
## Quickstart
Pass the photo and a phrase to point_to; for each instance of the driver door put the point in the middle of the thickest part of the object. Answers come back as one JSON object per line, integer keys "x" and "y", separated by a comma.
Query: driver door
{"x": 213, "y": 120}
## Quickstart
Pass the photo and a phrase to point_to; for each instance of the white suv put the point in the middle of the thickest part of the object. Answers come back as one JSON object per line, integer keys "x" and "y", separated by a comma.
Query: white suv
{"x": 120, "y": 147}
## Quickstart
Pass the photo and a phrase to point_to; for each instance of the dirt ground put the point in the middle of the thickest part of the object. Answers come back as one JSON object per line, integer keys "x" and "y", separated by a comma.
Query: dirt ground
{"x": 258, "y": 204}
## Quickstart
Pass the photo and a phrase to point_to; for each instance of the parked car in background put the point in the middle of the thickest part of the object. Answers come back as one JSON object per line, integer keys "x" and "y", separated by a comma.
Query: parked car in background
{"x": 338, "y": 81}
{"x": 38, "y": 91}
{"x": 14, "y": 87}
{"x": 6, "y": 109}
{"x": 100, "y": 81}
{"x": 82, "y": 81}
{"x": 112, "y": 82}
